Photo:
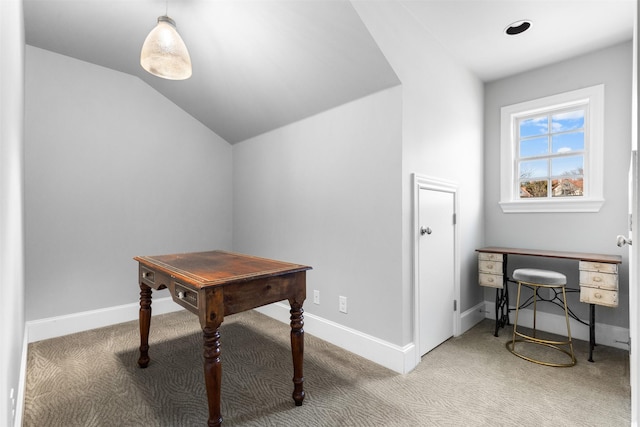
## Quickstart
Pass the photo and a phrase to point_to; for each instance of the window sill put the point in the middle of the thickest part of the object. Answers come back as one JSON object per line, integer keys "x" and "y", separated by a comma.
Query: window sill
{"x": 537, "y": 206}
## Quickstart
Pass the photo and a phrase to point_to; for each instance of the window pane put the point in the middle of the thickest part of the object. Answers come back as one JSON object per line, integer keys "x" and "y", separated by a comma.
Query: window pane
{"x": 567, "y": 187}
{"x": 534, "y": 147}
{"x": 534, "y": 126}
{"x": 529, "y": 189}
{"x": 570, "y": 120}
{"x": 566, "y": 142}
{"x": 534, "y": 169}
{"x": 567, "y": 166}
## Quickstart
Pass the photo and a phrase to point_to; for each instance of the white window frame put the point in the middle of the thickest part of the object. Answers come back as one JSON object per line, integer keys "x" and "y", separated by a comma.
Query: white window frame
{"x": 593, "y": 197}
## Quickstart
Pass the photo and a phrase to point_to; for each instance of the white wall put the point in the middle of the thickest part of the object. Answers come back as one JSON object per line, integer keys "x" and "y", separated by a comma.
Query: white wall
{"x": 325, "y": 192}
{"x": 583, "y": 232}
{"x": 112, "y": 170}
{"x": 11, "y": 205}
{"x": 442, "y": 135}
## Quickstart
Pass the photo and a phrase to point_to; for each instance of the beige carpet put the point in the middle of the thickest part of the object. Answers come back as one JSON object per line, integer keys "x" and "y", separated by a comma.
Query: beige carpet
{"x": 92, "y": 379}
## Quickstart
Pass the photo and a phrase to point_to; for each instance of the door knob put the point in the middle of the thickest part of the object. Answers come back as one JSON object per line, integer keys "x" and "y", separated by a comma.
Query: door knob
{"x": 622, "y": 240}
{"x": 424, "y": 230}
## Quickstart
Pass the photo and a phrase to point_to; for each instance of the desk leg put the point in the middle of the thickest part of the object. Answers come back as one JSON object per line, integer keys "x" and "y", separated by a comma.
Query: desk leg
{"x": 592, "y": 330}
{"x": 145, "y": 323}
{"x": 212, "y": 373}
{"x": 297, "y": 350}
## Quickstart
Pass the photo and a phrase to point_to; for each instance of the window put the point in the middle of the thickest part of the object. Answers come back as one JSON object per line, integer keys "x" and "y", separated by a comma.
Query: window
{"x": 551, "y": 153}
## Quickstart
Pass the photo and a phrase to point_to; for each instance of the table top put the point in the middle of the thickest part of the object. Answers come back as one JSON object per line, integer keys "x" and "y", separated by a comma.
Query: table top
{"x": 582, "y": 256}
{"x": 215, "y": 268}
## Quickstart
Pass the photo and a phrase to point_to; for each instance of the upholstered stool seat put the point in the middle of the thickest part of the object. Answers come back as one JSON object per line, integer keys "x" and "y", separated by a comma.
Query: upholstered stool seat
{"x": 536, "y": 279}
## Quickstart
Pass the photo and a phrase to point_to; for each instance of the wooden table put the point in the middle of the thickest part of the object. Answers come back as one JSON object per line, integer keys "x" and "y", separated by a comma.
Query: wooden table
{"x": 216, "y": 284}
{"x": 598, "y": 280}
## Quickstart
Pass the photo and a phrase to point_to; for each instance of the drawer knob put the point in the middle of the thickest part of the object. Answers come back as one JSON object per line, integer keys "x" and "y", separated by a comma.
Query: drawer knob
{"x": 597, "y": 295}
{"x": 490, "y": 280}
{"x": 597, "y": 279}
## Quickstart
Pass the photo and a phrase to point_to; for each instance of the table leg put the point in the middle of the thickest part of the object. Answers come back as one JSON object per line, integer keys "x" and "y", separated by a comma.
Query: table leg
{"x": 592, "y": 330}
{"x": 213, "y": 373}
{"x": 297, "y": 351}
{"x": 145, "y": 323}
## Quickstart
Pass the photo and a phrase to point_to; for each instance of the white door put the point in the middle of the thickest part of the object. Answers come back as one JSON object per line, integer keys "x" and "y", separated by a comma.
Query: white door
{"x": 436, "y": 267}
{"x": 634, "y": 252}
{"x": 634, "y": 290}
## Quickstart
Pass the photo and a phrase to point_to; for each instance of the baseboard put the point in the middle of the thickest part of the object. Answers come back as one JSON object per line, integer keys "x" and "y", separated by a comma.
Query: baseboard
{"x": 400, "y": 359}
{"x": 22, "y": 382}
{"x": 471, "y": 317}
{"x": 609, "y": 335}
{"x": 52, "y": 327}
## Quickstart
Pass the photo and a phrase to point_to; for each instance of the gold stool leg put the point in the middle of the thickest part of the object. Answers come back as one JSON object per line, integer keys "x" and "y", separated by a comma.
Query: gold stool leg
{"x": 566, "y": 315}
{"x": 535, "y": 301}
{"x": 515, "y": 322}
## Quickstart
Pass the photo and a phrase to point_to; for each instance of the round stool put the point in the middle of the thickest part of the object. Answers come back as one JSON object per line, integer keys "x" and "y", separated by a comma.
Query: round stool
{"x": 536, "y": 279}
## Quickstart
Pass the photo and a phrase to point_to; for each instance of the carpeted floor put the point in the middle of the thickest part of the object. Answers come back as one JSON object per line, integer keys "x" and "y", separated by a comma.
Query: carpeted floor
{"x": 92, "y": 379}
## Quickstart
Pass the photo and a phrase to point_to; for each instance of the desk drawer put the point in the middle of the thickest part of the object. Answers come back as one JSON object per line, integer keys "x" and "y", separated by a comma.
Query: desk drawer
{"x": 594, "y": 279}
{"x": 185, "y": 296}
{"x": 490, "y": 267}
{"x": 490, "y": 280}
{"x": 153, "y": 278}
{"x": 598, "y": 296}
{"x": 601, "y": 267}
{"x": 488, "y": 256}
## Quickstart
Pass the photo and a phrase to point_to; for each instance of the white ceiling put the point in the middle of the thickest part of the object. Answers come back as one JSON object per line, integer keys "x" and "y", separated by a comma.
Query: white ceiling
{"x": 262, "y": 64}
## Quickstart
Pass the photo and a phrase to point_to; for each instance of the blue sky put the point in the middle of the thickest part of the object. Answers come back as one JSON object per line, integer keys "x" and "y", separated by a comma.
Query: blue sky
{"x": 560, "y": 133}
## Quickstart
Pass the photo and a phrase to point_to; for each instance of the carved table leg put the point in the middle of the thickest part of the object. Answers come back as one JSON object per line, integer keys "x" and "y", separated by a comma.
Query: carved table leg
{"x": 212, "y": 373}
{"x": 145, "y": 323}
{"x": 297, "y": 350}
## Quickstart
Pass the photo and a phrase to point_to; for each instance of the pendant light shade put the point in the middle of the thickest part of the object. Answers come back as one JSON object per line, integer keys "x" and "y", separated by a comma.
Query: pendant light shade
{"x": 164, "y": 54}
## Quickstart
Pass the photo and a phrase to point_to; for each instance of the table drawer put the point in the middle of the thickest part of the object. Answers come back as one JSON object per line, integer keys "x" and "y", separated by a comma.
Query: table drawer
{"x": 490, "y": 267}
{"x": 598, "y": 296}
{"x": 185, "y": 295}
{"x": 488, "y": 256}
{"x": 595, "y": 279}
{"x": 601, "y": 267}
{"x": 490, "y": 280}
{"x": 153, "y": 278}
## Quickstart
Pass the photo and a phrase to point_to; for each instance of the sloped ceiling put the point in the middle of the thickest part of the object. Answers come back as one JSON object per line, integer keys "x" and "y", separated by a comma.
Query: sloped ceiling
{"x": 257, "y": 65}
{"x": 262, "y": 64}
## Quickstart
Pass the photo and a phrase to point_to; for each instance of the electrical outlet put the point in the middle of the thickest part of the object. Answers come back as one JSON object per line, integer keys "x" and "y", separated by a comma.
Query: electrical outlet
{"x": 316, "y": 297}
{"x": 13, "y": 403}
{"x": 342, "y": 304}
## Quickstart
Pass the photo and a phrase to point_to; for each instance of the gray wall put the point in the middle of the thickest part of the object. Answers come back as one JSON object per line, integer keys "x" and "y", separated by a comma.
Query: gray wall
{"x": 583, "y": 232}
{"x": 113, "y": 170}
{"x": 11, "y": 204}
{"x": 325, "y": 192}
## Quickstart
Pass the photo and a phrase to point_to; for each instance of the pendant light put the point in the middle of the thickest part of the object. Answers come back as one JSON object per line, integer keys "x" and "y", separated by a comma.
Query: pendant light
{"x": 164, "y": 54}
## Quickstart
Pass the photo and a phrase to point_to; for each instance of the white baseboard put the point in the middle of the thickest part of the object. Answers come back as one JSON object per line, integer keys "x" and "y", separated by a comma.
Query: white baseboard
{"x": 22, "y": 383}
{"x": 609, "y": 335}
{"x": 401, "y": 359}
{"x": 52, "y": 327}
{"x": 471, "y": 317}
{"x": 397, "y": 358}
